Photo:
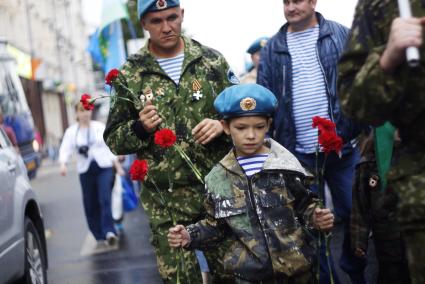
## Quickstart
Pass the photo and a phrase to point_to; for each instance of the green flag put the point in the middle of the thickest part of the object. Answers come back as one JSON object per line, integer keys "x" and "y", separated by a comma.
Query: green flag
{"x": 112, "y": 10}
{"x": 384, "y": 142}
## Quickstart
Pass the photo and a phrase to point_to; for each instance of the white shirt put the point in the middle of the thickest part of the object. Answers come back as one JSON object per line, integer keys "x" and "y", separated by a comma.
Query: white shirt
{"x": 76, "y": 136}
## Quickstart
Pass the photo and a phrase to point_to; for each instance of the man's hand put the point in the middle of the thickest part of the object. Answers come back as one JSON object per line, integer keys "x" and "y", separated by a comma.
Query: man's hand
{"x": 178, "y": 237}
{"x": 323, "y": 219}
{"x": 207, "y": 130}
{"x": 405, "y": 32}
{"x": 359, "y": 253}
{"x": 149, "y": 117}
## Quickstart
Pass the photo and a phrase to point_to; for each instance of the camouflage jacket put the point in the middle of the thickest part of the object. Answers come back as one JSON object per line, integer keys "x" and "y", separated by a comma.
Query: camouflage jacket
{"x": 370, "y": 95}
{"x": 373, "y": 210}
{"x": 267, "y": 215}
{"x": 204, "y": 70}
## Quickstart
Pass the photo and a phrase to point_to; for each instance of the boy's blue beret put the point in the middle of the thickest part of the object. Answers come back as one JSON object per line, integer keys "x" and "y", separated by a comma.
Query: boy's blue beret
{"x": 146, "y": 6}
{"x": 257, "y": 45}
{"x": 245, "y": 100}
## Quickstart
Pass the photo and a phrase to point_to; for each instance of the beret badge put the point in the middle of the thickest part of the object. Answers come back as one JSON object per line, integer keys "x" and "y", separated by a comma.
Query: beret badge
{"x": 248, "y": 104}
{"x": 161, "y": 4}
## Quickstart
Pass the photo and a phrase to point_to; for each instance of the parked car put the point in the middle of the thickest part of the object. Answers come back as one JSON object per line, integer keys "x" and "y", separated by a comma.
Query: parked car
{"x": 17, "y": 114}
{"x": 23, "y": 254}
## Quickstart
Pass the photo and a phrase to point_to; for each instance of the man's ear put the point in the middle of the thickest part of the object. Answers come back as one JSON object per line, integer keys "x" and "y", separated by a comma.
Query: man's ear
{"x": 143, "y": 22}
{"x": 182, "y": 11}
{"x": 226, "y": 126}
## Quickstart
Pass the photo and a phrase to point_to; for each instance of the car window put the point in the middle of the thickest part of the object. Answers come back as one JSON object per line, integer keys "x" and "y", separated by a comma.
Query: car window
{"x": 4, "y": 141}
{"x": 9, "y": 95}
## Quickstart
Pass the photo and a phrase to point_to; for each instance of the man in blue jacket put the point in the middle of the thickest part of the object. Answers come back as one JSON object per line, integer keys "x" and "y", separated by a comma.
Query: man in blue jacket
{"x": 299, "y": 65}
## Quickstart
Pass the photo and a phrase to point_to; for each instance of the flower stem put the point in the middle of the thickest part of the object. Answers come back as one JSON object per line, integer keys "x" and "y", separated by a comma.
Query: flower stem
{"x": 190, "y": 163}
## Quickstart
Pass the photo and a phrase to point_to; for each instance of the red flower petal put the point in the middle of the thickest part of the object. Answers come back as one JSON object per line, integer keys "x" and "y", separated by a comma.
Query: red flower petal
{"x": 165, "y": 138}
{"x": 111, "y": 76}
{"x": 139, "y": 170}
{"x": 87, "y": 102}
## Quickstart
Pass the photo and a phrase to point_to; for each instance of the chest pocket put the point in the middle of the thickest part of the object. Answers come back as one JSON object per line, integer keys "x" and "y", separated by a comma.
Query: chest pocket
{"x": 277, "y": 205}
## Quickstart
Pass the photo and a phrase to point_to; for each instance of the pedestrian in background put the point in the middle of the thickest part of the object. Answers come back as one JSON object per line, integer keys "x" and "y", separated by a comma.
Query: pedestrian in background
{"x": 299, "y": 65}
{"x": 377, "y": 85}
{"x": 256, "y": 194}
{"x": 254, "y": 50}
{"x": 179, "y": 79}
{"x": 95, "y": 168}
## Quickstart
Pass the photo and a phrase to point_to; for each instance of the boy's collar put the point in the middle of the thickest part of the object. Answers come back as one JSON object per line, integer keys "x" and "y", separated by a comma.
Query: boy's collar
{"x": 279, "y": 159}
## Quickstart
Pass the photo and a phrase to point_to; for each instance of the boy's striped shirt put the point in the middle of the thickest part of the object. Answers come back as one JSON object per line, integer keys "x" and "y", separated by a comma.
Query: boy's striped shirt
{"x": 252, "y": 164}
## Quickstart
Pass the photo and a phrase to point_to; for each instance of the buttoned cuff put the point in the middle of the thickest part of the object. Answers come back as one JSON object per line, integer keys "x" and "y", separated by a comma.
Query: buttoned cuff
{"x": 140, "y": 131}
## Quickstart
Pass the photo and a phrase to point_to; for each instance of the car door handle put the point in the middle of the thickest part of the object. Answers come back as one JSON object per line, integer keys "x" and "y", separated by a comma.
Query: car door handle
{"x": 11, "y": 167}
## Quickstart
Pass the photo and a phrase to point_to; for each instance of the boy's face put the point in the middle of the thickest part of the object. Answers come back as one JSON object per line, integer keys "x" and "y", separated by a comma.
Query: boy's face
{"x": 248, "y": 133}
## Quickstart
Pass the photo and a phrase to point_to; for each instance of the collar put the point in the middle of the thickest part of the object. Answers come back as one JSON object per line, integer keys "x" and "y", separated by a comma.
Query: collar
{"x": 279, "y": 159}
{"x": 280, "y": 45}
{"x": 147, "y": 63}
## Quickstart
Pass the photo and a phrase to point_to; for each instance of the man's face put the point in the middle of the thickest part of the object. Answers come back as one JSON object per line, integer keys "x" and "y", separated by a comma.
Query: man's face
{"x": 299, "y": 12}
{"x": 164, "y": 28}
{"x": 255, "y": 57}
{"x": 248, "y": 133}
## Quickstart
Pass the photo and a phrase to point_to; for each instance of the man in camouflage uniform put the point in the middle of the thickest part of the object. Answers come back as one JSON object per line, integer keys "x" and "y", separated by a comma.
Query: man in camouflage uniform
{"x": 373, "y": 212}
{"x": 377, "y": 85}
{"x": 185, "y": 105}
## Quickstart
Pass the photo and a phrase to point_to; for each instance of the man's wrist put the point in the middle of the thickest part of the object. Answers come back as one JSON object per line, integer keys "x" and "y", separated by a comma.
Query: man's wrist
{"x": 140, "y": 130}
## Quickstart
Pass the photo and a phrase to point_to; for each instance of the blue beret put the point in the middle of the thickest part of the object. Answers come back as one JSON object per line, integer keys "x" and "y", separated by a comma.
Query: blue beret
{"x": 245, "y": 100}
{"x": 146, "y": 6}
{"x": 257, "y": 45}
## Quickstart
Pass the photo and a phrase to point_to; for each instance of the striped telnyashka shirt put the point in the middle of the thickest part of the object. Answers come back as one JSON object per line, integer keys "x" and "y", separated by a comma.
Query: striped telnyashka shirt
{"x": 252, "y": 164}
{"x": 172, "y": 66}
{"x": 308, "y": 87}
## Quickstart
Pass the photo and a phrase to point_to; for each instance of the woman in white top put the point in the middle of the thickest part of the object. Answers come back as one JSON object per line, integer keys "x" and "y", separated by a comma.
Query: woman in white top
{"x": 95, "y": 167}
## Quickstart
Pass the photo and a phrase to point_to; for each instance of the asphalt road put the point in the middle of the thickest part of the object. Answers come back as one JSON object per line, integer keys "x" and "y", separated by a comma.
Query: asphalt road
{"x": 71, "y": 253}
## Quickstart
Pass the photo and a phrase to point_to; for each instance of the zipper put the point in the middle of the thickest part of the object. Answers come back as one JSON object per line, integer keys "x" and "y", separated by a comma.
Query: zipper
{"x": 254, "y": 207}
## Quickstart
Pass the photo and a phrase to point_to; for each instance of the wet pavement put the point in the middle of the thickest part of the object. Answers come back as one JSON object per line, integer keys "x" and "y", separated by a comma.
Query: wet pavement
{"x": 72, "y": 255}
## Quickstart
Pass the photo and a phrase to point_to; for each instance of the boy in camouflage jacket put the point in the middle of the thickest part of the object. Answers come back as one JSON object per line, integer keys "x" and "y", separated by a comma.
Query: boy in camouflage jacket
{"x": 266, "y": 210}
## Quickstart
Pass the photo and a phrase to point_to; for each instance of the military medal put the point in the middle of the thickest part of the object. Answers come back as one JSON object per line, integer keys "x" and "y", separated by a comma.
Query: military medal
{"x": 160, "y": 92}
{"x": 196, "y": 87}
{"x": 143, "y": 99}
{"x": 148, "y": 94}
{"x": 161, "y": 4}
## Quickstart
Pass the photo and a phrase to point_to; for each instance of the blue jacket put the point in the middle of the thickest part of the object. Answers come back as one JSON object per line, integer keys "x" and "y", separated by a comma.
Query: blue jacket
{"x": 275, "y": 73}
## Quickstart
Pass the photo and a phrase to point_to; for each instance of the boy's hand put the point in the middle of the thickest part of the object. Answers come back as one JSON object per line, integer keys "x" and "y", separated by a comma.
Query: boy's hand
{"x": 323, "y": 219}
{"x": 178, "y": 237}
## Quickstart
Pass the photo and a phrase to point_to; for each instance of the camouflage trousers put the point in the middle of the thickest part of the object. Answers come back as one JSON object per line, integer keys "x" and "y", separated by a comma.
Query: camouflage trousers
{"x": 185, "y": 206}
{"x": 411, "y": 213}
{"x": 306, "y": 278}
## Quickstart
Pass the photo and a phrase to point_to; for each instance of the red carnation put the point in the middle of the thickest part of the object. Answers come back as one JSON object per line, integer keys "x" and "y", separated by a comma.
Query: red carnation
{"x": 330, "y": 141}
{"x": 139, "y": 170}
{"x": 323, "y": 124}
{"x": 87, "y": 102}
{"x": 112, "y": 75}
{"x": 165, "y": 138}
